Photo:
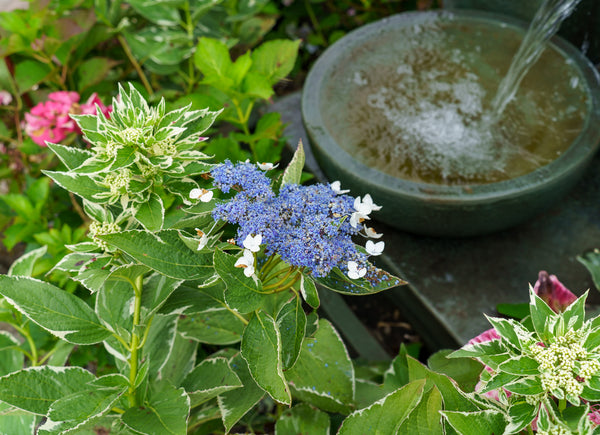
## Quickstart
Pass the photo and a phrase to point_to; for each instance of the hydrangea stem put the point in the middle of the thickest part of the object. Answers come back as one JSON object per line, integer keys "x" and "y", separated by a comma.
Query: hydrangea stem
{"x": 268, "y": 267}
{"x": 290, "y": 278}
{"x": 188, "y": 25}
{"x": 135, "y": 339}
{"x": 135, "y": 64}
{"x": 32, "y": 354}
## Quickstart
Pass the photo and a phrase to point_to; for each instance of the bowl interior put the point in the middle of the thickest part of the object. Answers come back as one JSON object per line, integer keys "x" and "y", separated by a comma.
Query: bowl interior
{"x": 353, "y": 91}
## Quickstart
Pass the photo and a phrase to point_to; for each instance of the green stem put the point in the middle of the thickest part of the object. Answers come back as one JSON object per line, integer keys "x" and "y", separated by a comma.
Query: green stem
{"x": 276, "y": 274}
{"x": 47, "y": 356}
{"x": 281, "y": 281}
{"x": 189, "y": 27}
{"x": 267, "y": 267}
{"x": 289, "y": 284}
{"x": 23, "y": 351}
{"x": 236, "y": 314}
{"x": 33, "y": 356}
{"x": 562, "y": 405}
{"x": 529, "y": 430}
{"x": 242, "y": 118}
{"x": 314, "y": 21}
{"x": 123, "y": 342}
{"x": 135, "y": 64}
{"x": 265, "y": 277}
{"x": 146, "y": 331}
{"x": 135, "y": 340}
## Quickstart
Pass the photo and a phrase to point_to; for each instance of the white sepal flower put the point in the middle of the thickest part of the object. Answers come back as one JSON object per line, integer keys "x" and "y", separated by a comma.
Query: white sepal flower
{"x": 246, "y": 261}
{"x": 357, "y": 218}
{"x": 370, "y": 232}
{"x": 374, "y": 248}
{"x": 267, "y": 166}
{"x": 366, "y": 205}
{"x": 201, "y": 194}
{"x": 203, "y": 239}
{"x": 336, "y": 186}
{"x": 252, "y": 243}
{"x": 354, "y": 272}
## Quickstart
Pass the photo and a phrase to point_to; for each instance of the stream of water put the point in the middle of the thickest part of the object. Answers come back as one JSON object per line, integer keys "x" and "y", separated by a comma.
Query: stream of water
{"x": 544, "y": 26}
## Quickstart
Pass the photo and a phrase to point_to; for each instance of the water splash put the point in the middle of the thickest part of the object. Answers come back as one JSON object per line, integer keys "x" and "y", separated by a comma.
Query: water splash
{"x": 544, "y": 26}
{"x": 421, "y": 111}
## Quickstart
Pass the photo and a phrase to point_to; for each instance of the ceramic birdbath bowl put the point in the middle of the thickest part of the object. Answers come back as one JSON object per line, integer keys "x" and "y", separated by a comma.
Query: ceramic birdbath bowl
{"x": 399, "y": 109}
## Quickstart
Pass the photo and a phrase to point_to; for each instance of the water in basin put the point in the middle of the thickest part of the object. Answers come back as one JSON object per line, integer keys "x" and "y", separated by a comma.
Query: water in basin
{"x": 418, "y": 103}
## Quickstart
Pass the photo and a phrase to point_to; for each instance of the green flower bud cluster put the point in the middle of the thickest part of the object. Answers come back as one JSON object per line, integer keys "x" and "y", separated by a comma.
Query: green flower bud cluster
{"x": 542, "y": 366}
{"x": 555, "y": 430}
{"x": 143, "y": 159}
{"x": 137, "y": 142}
{"x": 101, "y": 228}
{"x": 565, "y": 364}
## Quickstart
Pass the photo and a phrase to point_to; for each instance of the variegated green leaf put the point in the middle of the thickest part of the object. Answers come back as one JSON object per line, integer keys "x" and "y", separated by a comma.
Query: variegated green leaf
{"x": 293, "y": 172}
{"x": 386, "y": 415}
{"x": 16, "y": 422}
{"x": 236, "y": 403}
{"x": 243, "y": 293}
{"x": 159, "y": 343}
{"x": 76, "y": 409}
{"x": 35, "y": 389}
{"x": 164, "y": 252}
{"x": 338, "y": 282}
{"x": 55, "y": 310}
{"x": 23, "y": 265}
{"x": 309, "y": 292}
{"x": 291, "y": 322}
{"x": 81, "y": 185}
{"x": 219, "y": 327}
{"x": 72, "y": 157}
{"x": 181, "y": 360}
{"x": 323, "y": 374}
{"x": 210, "y": 378}
{"x": 425, "y": 418}
{"x": 477, "y": 422}
{"x": 164, "y": 412}
{"x": 151, "y": 214}
{"x": 261, "y": 348}
{"x": 11, "y": 359}
{"x": 302, "y": 419}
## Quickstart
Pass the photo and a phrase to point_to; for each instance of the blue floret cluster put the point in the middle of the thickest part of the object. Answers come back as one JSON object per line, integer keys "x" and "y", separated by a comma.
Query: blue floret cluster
{"x": 308, "y": 226}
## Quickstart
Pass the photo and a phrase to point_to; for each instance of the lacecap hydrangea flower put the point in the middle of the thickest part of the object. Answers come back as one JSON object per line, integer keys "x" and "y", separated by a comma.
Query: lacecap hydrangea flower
{"x": 308, "y": 226}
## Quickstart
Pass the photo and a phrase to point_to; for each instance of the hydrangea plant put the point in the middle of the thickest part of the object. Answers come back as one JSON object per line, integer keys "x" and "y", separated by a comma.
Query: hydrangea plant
{"x": 545, "y": 371}
{"x": 540, "y": 375}
{"x": 202, "y": 284}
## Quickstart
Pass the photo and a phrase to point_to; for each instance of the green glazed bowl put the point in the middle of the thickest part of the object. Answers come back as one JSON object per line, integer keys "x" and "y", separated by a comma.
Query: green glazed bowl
{"x": 436, "y": 209}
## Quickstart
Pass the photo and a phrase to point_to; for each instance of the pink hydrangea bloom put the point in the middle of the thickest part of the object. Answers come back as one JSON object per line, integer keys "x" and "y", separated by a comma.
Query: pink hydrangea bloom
{"x": 5, "y": 98}
{"x": 594, "y": 416}
{"x": 550, "y": 290}
{"x": 488, "y": 335}
{"x": 50, "y": 120}
{"x": 553, "y": 292}
{"x": 89, "y": 107}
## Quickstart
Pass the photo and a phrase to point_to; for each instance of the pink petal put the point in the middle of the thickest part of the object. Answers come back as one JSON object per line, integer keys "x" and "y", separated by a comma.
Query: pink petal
{"x": 553, "y": 292}
{"x": 594, "y": 416}
{"x": 488, "y": 335}
{"x": 64, "y": 97}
